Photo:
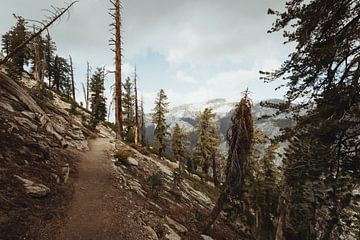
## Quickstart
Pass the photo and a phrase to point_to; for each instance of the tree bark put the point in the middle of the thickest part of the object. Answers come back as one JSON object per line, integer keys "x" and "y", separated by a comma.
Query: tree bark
{"x": 118, "y": 95}
{"x": 215, "y": 170}
{"x": 222, "y": 200}
{"x": 72, "y": 79}
{"x": 137, "y": 134}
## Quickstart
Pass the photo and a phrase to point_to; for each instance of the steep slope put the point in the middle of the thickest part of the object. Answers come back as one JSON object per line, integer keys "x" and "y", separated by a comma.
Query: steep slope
{"x": 39, "y": 146}
{"x": 166, "y": 206}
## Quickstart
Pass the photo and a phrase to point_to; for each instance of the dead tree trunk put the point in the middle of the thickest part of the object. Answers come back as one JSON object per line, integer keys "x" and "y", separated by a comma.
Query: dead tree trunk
{"x": 36, "y": 57}
{"x": 116, "y": 14}
{"x": 86, "y": 93}
{"x": 240, "y": 138}
{"x": 72, "y": 79}
{"x": 59, "y": 13}
{"x": 142, "y": 131}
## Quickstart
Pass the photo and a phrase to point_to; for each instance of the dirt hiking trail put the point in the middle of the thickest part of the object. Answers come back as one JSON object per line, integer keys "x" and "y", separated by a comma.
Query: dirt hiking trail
{"x": 96, "y": 211}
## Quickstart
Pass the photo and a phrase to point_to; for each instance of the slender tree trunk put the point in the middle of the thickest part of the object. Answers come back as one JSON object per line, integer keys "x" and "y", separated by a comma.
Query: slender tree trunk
{"x": 86, "y": 93}
{"x": 137, "y": 134}
{"x": 36, "y": 58}
{"x": 215, "y": 170}
{"x": 143, "y": 133}
{"x": 72, "y": 79}
{"x": 222, "y": 200}
{"x": 118, "y": 95}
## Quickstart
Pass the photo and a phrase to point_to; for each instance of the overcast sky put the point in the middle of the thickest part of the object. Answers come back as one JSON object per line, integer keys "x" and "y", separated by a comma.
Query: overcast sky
{"x": 195, "y": 50}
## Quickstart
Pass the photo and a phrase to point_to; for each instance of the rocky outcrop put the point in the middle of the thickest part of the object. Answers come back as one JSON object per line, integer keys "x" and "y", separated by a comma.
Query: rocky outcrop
{"x": 36, "y": 190}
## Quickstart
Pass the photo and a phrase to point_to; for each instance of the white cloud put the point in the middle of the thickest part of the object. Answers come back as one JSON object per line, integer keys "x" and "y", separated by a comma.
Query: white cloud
{"x": 182, "y": 77}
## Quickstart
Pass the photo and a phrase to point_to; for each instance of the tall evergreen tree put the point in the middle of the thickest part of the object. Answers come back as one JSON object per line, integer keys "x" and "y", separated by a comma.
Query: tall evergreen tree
{"x": 61, "y": 75}
{"x": 262, "y": 190}
{"x": 10, "y": 41}
{"x": 321, "y": 165}
{"x": 159, "y": 119}
{"x": 49, "y": 50}
{"x": 128, "y": 110}
{"x": 208, "y": 142}
{"x": 97, "y": 99}
{"x": 179, "y": 144}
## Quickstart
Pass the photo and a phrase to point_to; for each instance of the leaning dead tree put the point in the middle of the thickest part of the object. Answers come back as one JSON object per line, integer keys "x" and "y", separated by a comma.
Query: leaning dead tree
{"x": 115, "y": 13}
{"x": 56, "y": 14}
{"x": 240, "y": 138}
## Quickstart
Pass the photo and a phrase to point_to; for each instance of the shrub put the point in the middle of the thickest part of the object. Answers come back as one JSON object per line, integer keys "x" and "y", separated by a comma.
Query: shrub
{"x": 122, "y": 154}
{"x": 156, "y": 182}
{"x": 73, "y": 109}
{"x": 140, "y": 149}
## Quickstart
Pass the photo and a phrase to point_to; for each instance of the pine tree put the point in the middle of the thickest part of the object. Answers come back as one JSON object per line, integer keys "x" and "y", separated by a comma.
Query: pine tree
{"x": 10, "y": 41}
{"x": 97, "y": 99}
{"x": 321, "y": 165}
{"x": 61, "y": 75}
{"x": 262, "y": 189}
{"x": 179, "y": 144}
{"x": 49, "y": 49}
{"x": 159, "y": 119}
{"x": 207, "y": 143}
{"x": 128, "y": 110}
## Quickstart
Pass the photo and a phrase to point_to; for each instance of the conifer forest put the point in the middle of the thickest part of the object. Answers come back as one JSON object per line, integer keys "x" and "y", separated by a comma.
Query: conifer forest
{"x": 170, "y": 120}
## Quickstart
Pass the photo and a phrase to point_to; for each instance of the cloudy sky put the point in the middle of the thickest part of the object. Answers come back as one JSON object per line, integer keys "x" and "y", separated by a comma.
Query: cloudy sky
{"x": 195, "y": 50}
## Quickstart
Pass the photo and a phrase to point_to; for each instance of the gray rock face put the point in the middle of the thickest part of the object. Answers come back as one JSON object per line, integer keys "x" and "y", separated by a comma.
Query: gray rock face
{"x": 171, "y": 235}
{"x": 132, "y": 161}
{"x": 205, "y": 237}
{"x": 152, "y": 233}
{"x": 176, "y": 225}
{"x": 136, "y": 187}
{"x": 36, "y": 190}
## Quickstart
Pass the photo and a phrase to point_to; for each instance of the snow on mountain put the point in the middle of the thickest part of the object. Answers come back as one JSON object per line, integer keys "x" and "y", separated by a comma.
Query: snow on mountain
{"x": 187, "y": 116}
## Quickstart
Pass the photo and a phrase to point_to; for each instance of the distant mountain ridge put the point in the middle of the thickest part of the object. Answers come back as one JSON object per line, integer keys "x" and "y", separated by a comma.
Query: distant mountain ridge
{"x": 187, "y": 116}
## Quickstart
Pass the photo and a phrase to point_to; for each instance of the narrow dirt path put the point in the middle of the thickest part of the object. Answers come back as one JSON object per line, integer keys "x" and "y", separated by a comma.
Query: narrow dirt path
{"x": 98, "y": 211}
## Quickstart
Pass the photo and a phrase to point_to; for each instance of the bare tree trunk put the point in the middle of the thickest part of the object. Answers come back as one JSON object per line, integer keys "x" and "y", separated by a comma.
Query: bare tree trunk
{"x": 215, "y": 170}
{"x": 118, "y": 95}
{"x": 36, "y": 57}
{"x": 137, "y": 134}
{"x": 222, "y": 200}
{"x": 143, "y": 133}
{"x": 38, "y": 33}
{"x": 86, "y": 93}
{"x": 72, "y": 79}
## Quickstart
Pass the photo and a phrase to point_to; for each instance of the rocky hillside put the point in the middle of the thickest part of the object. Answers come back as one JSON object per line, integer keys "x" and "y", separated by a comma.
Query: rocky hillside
{"x": 166, "y": 205}
{"x": 42, "y": 152}
{"x": 39, "y": 145}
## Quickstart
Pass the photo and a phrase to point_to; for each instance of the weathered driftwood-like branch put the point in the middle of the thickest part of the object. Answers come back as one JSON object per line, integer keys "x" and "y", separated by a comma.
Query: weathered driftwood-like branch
{"x": 38, "y": 33}
{"x": 13, "y": 88}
